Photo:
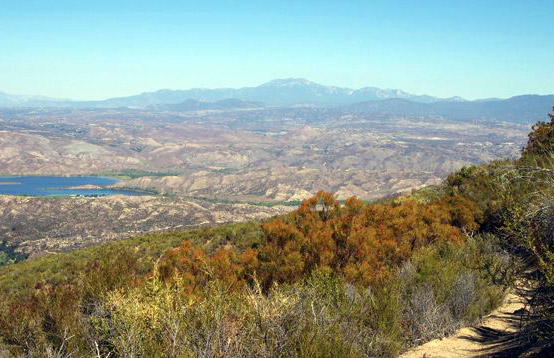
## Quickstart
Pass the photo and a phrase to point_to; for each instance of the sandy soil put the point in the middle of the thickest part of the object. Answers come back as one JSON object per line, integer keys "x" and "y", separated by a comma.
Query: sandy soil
{"x": 491, "y": 338}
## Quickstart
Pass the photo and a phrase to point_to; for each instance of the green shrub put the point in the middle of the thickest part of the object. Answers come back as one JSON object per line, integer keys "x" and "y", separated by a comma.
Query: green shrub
{"x": 9, "y": 255}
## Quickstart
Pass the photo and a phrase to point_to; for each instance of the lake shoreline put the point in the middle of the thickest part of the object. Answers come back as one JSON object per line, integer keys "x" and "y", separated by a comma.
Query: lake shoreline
{"x": 70, "y": 186}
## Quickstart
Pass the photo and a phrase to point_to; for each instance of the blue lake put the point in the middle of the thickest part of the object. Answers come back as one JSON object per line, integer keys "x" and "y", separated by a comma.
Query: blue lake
{"x": 48, "y": 186}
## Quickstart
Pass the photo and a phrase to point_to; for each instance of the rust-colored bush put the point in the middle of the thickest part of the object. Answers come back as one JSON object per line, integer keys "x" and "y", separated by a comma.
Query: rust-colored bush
{"x": 360, "y": 242}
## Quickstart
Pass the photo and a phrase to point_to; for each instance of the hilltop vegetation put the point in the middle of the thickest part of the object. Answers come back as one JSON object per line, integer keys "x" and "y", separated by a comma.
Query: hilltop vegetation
{"x": 328, "y": 279}
{"x": 370, "y": 279}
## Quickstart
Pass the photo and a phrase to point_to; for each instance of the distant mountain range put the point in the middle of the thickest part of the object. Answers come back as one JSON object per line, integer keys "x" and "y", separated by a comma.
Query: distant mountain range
{"x": 196, "y": 105}
{"x": 300, "y": 92}
{"x": 9, "y": 100}
{"x": 281, "y": 92}
{"x": 519, "y": 109}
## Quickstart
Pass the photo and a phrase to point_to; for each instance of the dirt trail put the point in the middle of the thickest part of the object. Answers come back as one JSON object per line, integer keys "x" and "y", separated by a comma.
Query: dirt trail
{"x": 491, "y": 338}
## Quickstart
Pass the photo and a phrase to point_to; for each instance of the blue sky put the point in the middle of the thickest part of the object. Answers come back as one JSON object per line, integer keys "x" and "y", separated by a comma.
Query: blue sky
{"x": 99, "y": 49}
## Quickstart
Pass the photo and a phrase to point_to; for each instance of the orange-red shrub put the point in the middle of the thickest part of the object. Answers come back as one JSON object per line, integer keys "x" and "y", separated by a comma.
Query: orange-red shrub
{"x": 360, "y": 242}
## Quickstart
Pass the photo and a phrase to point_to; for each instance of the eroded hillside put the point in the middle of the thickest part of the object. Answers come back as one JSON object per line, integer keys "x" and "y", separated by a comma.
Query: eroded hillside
{"x": 47, "y": 225}
{"x": 254, "y": 154}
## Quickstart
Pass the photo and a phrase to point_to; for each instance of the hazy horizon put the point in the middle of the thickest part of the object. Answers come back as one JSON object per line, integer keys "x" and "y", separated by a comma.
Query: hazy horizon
{"x": 260, "y": 84}
{"x": 98, "y": 50}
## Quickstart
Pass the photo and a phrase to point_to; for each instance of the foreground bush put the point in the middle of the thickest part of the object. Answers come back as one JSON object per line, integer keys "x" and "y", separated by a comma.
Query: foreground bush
{"x": 442, "y": 286}
{"x": 428, "y": 297}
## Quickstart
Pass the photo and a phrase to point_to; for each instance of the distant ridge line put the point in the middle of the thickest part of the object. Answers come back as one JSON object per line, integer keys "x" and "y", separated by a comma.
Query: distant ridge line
{"x": 293, "y": 92}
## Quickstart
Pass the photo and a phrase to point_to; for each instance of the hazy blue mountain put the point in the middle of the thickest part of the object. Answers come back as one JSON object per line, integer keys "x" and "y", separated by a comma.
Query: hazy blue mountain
{"x": 195, "y": 105}
{"x": 519, "y": 109}
{"x": 10, "y": 100}
{"x": 280, "y": 92}
{"x": 294, "y": 92}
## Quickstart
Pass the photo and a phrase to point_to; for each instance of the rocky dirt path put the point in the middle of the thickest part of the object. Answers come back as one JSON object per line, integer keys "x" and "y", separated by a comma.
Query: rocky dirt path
{"x": 492, "y": 338}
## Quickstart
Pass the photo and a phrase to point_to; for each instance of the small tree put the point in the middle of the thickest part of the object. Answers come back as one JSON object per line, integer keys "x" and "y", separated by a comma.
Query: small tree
{"x": 541, "y": 139}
